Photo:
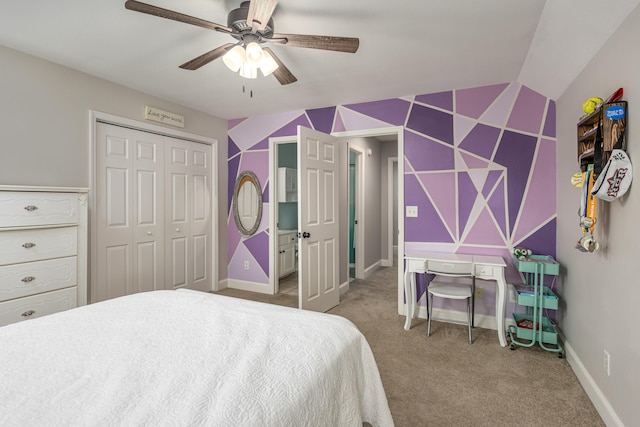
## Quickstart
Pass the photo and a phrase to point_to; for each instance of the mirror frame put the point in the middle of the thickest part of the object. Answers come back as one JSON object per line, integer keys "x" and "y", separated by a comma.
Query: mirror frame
{"x": 247, "y": 177}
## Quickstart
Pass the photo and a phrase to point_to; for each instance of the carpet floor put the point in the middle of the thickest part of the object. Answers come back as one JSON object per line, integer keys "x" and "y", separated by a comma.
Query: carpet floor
{"x": 443, "y": 380}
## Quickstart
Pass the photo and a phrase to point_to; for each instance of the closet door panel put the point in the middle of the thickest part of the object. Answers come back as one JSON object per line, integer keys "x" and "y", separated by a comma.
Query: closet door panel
{"x": 177, "y": 208}
{"x": 129, "y": 212}
{"x": 149, "y": 228}
{"x": 200, "y": 219}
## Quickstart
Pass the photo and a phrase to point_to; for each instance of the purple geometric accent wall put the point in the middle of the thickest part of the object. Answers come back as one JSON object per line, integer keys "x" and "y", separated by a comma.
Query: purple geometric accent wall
{"x": 479, "y": 164}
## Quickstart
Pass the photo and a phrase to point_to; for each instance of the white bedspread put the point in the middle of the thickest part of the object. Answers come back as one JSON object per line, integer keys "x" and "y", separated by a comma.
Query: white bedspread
{"x": 186, "y": 358}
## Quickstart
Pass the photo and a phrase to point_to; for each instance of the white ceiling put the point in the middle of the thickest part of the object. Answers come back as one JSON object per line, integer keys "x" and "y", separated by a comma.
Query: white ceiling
{"x": 407, "y": 47}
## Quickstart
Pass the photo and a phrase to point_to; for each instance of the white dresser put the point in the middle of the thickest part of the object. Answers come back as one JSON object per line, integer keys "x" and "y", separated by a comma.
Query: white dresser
{"x": 43, "y": 251}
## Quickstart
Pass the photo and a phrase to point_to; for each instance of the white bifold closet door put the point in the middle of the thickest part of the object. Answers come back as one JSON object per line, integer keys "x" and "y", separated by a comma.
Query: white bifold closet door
{"x": 153, "y": 219}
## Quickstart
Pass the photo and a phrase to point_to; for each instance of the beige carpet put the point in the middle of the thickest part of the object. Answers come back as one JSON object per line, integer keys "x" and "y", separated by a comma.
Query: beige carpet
{"x": 444, "y": 381}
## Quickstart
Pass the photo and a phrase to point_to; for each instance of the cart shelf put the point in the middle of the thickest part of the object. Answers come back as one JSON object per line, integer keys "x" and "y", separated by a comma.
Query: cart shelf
{"x": 533, "y": 326}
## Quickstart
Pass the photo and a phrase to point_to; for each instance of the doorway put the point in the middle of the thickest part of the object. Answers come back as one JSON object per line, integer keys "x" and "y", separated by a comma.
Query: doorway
{"x": 356, "y": 225}
{"x": 390, "y": 230}
{"x": 284, "y": 212}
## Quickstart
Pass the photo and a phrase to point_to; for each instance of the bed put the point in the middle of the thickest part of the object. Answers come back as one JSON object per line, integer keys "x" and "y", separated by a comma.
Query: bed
{"x": 188, "y": 358}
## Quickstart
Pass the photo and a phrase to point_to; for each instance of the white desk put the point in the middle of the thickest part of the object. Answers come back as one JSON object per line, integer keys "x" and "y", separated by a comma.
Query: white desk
{"x": 486, "y": 267}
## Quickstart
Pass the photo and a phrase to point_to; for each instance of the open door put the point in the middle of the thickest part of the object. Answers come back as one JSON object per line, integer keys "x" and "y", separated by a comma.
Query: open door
{"x": 318, "y": 220}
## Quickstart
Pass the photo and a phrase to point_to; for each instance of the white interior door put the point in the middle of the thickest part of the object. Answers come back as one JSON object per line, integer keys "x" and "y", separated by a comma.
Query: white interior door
{"x": 129, "y": 212}
{"x": 188, "y": 215}
{"x": 199, "y": 275}
{"x": 318, "y": 220}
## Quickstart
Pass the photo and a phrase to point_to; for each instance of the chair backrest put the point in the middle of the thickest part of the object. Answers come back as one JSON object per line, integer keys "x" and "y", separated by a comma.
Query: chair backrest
{"x": 450, "y": 268}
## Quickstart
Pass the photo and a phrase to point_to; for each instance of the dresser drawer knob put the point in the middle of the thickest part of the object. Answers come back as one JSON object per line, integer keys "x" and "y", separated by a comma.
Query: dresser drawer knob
{"x": 28, "y": 245}
{"x": 30, "y": 208}
{"x": 28, "y": 279}
{"x": 28, "y": 313}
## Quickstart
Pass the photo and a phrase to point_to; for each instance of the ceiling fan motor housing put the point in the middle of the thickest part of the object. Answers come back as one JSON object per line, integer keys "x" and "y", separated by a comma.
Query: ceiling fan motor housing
{"x": 237, "y": 21}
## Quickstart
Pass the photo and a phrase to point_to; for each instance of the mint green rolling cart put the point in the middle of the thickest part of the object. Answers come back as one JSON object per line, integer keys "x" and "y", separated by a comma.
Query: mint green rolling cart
{"x": 533, "y": 326}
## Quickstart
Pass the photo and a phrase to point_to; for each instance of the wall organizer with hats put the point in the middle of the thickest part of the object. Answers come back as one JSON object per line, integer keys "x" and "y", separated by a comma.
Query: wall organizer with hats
{"x": 602, "y": 145}
{"x": 606, "y": 124}
{"x": 606, "y": 170}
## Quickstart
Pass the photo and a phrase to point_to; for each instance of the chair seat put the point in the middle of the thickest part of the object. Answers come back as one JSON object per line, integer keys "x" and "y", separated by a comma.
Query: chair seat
{"x": 449, "y": 290}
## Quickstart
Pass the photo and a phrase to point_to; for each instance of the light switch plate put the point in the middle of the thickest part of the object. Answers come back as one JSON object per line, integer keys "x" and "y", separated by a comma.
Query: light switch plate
{"x": 412, "y": 211}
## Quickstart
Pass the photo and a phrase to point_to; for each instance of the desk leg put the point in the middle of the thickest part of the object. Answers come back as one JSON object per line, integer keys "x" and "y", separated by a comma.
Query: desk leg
{"x": 410, "y": 296}
{"x": 501, "y": 302}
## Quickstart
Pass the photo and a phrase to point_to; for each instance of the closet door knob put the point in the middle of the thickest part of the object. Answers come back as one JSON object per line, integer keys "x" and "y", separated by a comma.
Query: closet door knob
{"x": 148, "y": 233}
{"x": 177, "y": 230}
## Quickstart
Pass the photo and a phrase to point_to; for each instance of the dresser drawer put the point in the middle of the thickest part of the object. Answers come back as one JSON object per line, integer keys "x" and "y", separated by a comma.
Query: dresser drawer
{"x": 38, "y": 244}
{"x": 21, "y": 209}
{"x": 30, "y": 278}
{"x": 37, "y": 305}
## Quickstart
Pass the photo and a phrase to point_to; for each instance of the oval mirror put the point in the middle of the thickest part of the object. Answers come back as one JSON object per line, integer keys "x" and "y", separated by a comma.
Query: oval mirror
{"x": 247, "y": 203}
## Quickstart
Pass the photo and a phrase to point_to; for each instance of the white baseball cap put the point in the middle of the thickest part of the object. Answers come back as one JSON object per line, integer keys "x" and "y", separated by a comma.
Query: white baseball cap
{"x": 615, "y": 178}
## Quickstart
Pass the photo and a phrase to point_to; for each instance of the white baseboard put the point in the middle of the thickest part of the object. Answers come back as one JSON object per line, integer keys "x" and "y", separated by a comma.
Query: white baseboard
{"x": 589, "y": 385}
{"x": 222, "y": 284}
{"x": 344, "y": 287}
{"x": 372, "y": 269}
{"x": 245, "y": 285}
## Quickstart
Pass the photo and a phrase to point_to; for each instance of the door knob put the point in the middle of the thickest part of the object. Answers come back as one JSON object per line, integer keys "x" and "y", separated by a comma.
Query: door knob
{"x": 177, "y": 230}
{"x": 148, "y": 233}
{"x": 306, "y": 235}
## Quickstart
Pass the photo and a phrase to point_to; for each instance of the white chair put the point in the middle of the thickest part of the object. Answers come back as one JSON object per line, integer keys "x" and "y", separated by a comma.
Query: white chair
{"x": 452, "y": 289}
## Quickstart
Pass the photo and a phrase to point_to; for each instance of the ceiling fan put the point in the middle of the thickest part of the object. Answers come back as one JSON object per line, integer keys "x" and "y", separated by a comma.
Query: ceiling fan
{"x": 251, "y": 25}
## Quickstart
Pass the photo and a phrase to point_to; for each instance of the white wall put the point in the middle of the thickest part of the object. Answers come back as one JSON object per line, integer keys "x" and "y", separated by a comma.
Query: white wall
{"x": 44, "y": 125}
{"x": 601, "y": 290}
{"x": 371, "y": 212}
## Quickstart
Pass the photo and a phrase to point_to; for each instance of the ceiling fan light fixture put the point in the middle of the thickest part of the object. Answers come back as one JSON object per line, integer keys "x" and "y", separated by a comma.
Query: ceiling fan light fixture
{"x": 268, "y": 65}
{"x": 254, "y": 53}
{"x": 235, "y": 58}
{"x": 248, "y": 71}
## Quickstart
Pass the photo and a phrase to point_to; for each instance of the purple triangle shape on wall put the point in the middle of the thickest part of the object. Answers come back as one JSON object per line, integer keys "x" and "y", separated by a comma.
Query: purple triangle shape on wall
{"x": 496, "y": 204}
{"x": 543, "y": 241}
{"x": 550, "y": 120}
{"x": 233, "y": 148}
{"x": 467, "y": 195}
{"x": 256, "y": 245}
{"x": 516, "y": 152}
{"x": 322, "y": 118}
{"x": 442, "y": 100}
{"x": 392, "y": 111}
{"x": 291, "y": 128}
{"x": 233, "y": 166}
{"x": 481, "y": 140}
{"x": 428, "y": 226}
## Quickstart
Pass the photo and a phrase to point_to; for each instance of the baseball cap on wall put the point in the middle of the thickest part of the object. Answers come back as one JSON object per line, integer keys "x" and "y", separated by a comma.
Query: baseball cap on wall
{"x": 615, "y": 178}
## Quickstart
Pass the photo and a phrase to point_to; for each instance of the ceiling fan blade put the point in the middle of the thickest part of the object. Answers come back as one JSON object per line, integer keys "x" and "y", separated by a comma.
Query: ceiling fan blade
{"x": 205, "y": 58}
{"x": 281, "y": 73}
{"x": 260, "y": 12}
{"x": 175, "y": 16}
{"x": 339, "y": 44}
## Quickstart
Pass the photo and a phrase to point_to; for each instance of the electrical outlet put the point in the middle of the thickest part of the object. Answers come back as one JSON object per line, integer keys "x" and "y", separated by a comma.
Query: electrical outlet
{"x": 246, "y": 265}
{"x": 479, "y": 292}
{"x": 607, "y": 363}
{"x": 412, "y": 211}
